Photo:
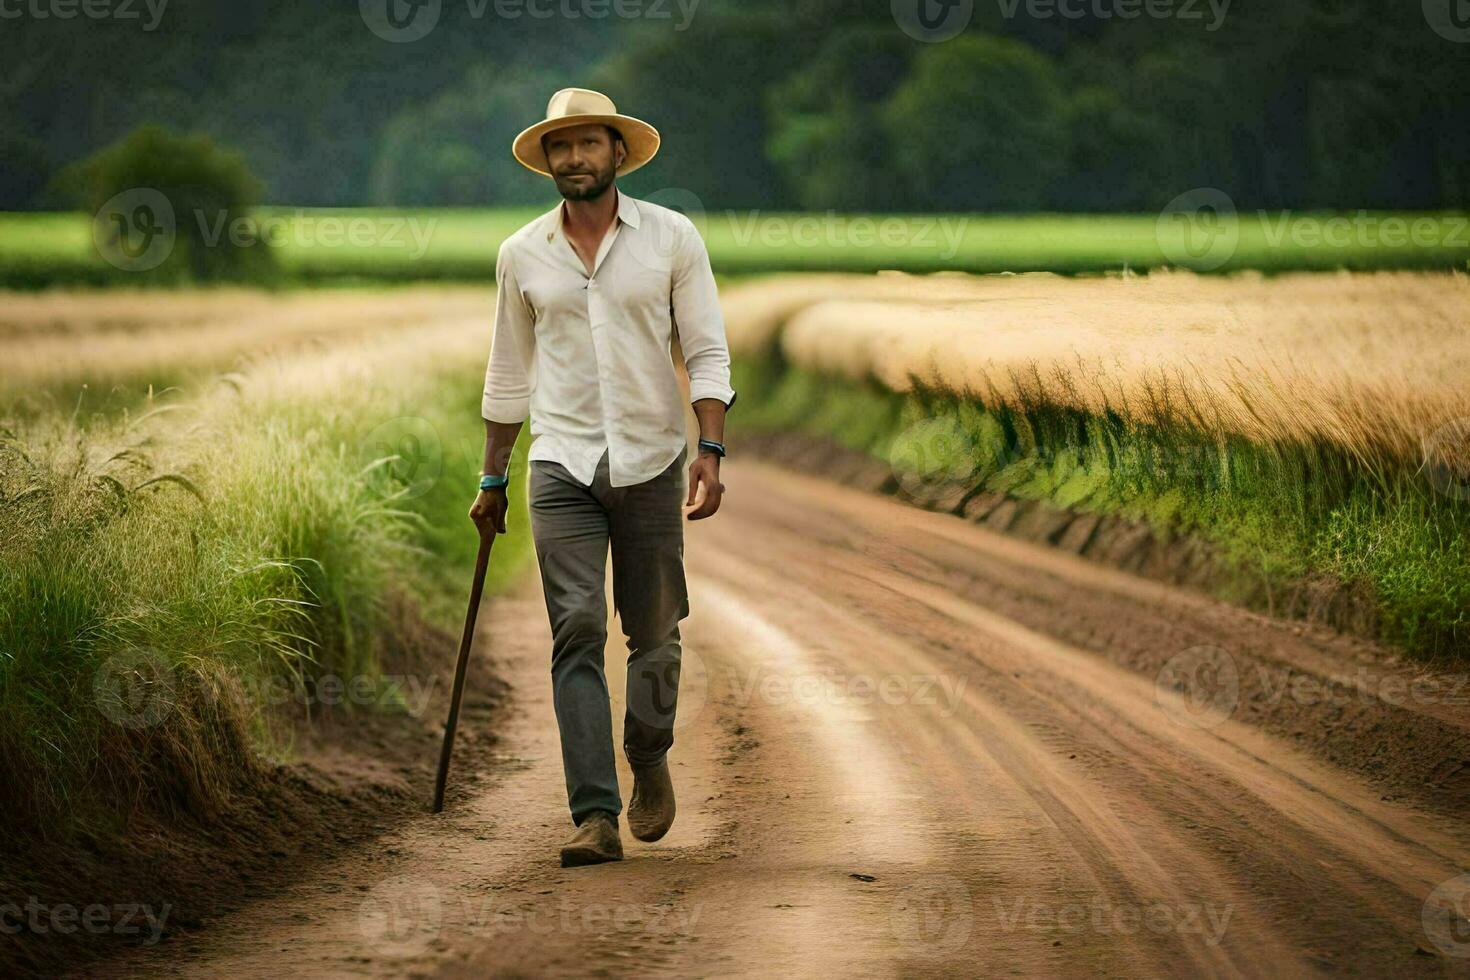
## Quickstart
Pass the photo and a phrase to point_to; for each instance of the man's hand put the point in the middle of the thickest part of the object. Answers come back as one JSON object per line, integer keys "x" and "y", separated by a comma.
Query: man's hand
{"x": 705, "y": 472}
{"x": 488, "y": 511}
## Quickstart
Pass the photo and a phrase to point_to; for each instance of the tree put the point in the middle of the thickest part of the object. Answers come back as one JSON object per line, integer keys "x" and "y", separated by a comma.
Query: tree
{"x": 24, "y": 173}
{"x": 979, "y": 124}
{"x": 454, "y": 151}
{"x": 825, "y": 134}
{"x": 1114, "y": 155}
{"x": 704, "y": 89}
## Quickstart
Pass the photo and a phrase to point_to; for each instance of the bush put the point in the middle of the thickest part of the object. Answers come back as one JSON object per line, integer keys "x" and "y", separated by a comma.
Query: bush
{"x": 171, "y": 206}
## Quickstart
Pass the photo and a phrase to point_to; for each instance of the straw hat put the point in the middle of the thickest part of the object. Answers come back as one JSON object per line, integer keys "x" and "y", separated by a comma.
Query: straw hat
{"x": 575, "y": 107}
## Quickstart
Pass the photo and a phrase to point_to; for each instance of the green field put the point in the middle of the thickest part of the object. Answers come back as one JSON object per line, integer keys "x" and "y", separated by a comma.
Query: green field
{"x": 325, "y": 245}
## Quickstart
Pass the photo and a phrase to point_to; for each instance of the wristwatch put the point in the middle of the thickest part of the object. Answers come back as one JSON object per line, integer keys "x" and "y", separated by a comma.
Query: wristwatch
{"x": 491, "y": 482}
{"x": 718, "y": 448}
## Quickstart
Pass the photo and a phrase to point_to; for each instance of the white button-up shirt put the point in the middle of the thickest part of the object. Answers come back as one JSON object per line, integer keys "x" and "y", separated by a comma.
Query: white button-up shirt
{"x": 589, "y": 358}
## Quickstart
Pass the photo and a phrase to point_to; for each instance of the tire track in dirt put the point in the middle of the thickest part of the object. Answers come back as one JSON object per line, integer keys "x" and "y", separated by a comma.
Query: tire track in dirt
{"x": 1315, "y": 869}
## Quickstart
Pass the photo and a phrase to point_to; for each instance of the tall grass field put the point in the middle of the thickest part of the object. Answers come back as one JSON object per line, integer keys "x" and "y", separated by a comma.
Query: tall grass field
{"x": 180, "y": 539}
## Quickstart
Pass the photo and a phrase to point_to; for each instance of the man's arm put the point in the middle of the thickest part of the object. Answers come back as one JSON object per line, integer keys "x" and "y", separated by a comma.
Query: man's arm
{"x": 507, "y": 397}
{"x": 490, "y": 506}
{"x": 701, "y": 327}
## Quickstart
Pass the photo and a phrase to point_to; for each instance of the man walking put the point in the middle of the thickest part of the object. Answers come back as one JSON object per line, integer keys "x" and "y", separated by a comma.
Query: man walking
{"x": 591, "y": 295}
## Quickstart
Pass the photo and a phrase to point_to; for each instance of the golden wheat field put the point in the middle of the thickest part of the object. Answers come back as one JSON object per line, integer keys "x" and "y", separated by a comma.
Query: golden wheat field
{"x": 1375, "y": 363}
{"x": 66, "y": 340}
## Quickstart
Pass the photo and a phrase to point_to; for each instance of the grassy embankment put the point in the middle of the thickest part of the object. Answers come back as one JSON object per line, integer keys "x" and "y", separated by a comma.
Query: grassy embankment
{"x": 183, "y": 571}
{"x": 1306, "y": 436}
{"x": 331, "y": 245}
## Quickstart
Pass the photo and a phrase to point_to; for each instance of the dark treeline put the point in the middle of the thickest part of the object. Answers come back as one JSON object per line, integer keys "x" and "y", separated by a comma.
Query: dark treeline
{"x": 773, "y": 103}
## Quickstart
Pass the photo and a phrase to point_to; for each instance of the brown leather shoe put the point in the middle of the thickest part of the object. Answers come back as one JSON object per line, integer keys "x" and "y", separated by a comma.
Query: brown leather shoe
{"x": 651, "y": 812}
{"x": 595, "y": 841}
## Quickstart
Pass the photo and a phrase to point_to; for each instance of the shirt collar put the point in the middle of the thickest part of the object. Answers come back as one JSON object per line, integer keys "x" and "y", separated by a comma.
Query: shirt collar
{"x": 627, "y": 213}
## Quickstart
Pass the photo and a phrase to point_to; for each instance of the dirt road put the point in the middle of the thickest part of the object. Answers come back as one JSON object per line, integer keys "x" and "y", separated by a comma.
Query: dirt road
{"x": 899, "y": 754}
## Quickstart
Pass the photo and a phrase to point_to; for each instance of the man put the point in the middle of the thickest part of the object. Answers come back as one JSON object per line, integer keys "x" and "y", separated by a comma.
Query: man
{"x": 591, "y": 295}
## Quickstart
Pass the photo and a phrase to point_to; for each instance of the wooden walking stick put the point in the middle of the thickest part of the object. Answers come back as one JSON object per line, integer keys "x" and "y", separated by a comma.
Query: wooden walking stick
{"x": 477, "y": 587}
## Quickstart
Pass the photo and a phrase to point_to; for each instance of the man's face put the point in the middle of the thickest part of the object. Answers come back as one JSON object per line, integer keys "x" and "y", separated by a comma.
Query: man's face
{"x": 583, "y": 160}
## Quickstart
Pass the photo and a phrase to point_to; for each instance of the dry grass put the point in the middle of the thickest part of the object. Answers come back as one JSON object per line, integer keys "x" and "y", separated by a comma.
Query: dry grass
{"x": 1372, "y": 363}
{"x": 62, "y": 341}
{"x": 1315, "y": 428}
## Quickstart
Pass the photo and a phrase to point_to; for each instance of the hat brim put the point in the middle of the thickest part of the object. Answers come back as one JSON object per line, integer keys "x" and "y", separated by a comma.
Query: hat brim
{"x": 641, "y": 139}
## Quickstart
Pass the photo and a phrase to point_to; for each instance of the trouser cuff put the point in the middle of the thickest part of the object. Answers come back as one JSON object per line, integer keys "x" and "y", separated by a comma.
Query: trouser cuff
{"x": 644, "y": 760}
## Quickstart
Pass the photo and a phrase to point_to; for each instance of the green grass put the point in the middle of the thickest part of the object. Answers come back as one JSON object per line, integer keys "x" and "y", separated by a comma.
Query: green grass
{"x": 325, "y": 245}
{"x": 159, "y": 572}
{"x": 1278, "y": 512}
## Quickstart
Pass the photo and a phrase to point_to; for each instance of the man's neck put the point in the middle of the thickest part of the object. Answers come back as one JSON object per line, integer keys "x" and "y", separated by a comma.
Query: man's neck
{"x": 597, "y": 214}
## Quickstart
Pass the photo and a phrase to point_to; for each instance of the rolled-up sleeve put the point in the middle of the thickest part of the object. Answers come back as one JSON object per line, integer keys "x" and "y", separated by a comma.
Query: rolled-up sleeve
{"x": 697, "y": 318}
{"x": 509, "y": 375}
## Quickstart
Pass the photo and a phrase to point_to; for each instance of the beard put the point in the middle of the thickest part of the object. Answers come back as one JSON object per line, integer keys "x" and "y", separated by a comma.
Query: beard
{"x": 584, "y": 190}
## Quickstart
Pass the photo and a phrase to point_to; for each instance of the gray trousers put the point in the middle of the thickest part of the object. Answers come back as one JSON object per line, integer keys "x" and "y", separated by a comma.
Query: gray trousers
{"x": 573, "y": 527}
